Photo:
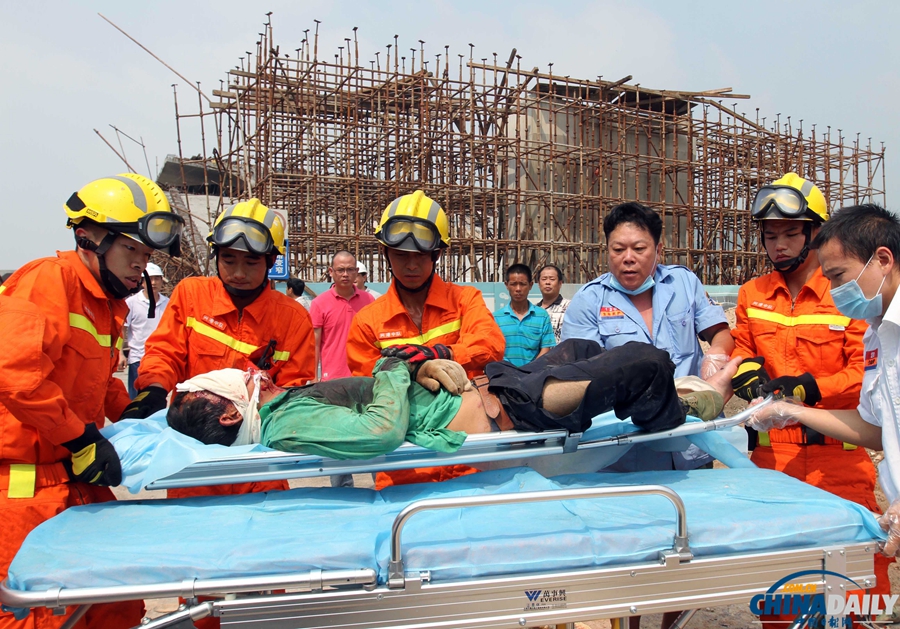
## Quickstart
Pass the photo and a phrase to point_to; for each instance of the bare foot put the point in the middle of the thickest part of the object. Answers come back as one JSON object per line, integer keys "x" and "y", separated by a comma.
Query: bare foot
{"x": 721, "y": 380}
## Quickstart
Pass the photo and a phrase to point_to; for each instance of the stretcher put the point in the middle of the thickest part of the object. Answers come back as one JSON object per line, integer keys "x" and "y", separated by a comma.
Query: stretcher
{"x": 157, "y": 457}
{"x": 505, "y": 548}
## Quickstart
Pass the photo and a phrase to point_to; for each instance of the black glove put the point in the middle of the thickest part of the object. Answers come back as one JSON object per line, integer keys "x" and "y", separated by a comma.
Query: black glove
{"x": 94, "y": 459}
{"x": 803, "y": 386}
{"x": 145, "y": 403}
{"x": 417, "y": 353}
{"x": 750, "y": 376}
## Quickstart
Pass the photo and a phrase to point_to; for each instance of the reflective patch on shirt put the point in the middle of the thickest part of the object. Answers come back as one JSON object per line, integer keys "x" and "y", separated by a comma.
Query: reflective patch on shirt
{"x": 760, "y": 304}
{"x": 611, "y": 312}
{"x": 871, "y": 359}
{"x": 390, "y": 335}
{"x": 837, "y": 328}
{"x": 213, "y": 322}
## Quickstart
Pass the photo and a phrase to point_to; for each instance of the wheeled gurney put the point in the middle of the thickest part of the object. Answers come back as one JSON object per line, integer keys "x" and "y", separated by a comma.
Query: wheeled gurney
{"x": 504, "y": 548}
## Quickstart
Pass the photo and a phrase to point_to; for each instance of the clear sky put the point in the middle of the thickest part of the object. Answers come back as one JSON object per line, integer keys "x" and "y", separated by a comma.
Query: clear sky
{"x": 66, "y": 72}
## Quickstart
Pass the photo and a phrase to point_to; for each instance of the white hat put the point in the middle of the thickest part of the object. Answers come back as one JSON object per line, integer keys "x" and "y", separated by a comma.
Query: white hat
{"x": 361, "y": 268}
{"x": 153, "y": 270}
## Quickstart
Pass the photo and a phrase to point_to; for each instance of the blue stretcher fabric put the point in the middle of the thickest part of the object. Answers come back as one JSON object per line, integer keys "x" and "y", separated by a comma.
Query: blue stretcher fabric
{"x": 161, "y": 541}
{"x": 150, "y": 450}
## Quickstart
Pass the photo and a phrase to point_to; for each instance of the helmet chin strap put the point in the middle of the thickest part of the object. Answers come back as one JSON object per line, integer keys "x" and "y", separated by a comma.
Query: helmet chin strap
{"x": 791, "y": 265}
{"x": 111, "y": 283}
{"x": 249, "y": 294}
{"x": 425, "y": 285}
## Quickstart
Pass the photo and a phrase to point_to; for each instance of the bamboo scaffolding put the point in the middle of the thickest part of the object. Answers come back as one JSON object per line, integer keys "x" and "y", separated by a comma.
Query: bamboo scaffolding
{"x": 527, "y": 164}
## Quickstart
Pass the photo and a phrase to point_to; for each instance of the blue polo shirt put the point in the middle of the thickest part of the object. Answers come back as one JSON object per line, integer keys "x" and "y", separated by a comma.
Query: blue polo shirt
{"x": 525, "y": 338}
{"x": 681, "y": 310}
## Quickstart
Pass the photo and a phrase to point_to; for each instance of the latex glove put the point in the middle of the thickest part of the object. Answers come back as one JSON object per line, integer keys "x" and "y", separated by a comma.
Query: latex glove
{"x": 94, "y": 459}
{"x": 418, "y": 353}
{"x": 750, "y": 376}
{"x": 435, "y": 374}
{"x": 711, "y": 364}
{"x": 890, "y": 523}
{"x": 145, "y": 403}
{"x": 803, "y": 387}
{"x": 775, "y": 415}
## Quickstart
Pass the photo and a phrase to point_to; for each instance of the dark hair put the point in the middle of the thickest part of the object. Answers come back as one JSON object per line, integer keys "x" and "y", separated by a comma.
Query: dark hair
{"x": 197, "y": 415}
{"x": 559, "y": 274}
{"x": 519, "y": 268}
{"x": 637, "y": 214}
{"x": 296, "y": 286}
{"x": 342, "y": 252}
{"x": 861, "y": 229}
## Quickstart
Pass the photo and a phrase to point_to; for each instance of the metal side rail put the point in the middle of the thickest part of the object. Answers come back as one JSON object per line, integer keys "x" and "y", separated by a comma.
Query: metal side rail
{"x": 495, "y": 447}
{"x": 60, "y": 598}
{"x": 527, "y": 600}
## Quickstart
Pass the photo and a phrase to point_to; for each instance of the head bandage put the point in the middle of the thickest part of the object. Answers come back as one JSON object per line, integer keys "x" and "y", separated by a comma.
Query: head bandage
{"x": 231, "y": 384}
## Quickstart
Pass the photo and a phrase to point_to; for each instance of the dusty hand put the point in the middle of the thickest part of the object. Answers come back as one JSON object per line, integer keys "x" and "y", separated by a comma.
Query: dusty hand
{"x": 434, "y": 374}
{"x": 775, "y": 415}
{"x": 890, "y": 523}
{"x": 711, "y": 364}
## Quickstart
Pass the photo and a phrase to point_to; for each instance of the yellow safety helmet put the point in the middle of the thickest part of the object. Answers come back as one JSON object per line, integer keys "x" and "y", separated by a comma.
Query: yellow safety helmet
{"x": 414, "y": 222}
{"x": 790, "y": 198}
{"x": 249, "y": 226}
{"x": 131, "y": 205}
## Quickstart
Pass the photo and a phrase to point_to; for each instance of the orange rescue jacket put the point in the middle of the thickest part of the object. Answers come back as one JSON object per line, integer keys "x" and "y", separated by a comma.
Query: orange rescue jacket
{"x": 803, "y": 335}
{"x": 61, "y": 339}
{"x": 202, "y": 330}
{"x": 455, "y": 316}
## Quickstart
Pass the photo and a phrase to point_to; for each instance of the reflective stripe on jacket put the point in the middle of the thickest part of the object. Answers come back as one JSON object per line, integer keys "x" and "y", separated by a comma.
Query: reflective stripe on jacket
{"x": 202, "y": 330}
{"x": 808, "y": 335}
{"x": 455, "y": 316}
{"x": 61, "y": 334}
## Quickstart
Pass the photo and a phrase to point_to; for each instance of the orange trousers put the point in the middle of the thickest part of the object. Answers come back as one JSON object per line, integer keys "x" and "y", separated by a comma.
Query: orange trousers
{"x": 421, "y": 475}
{"x": 18, "y": 516}
{"x": 849, "y": 474}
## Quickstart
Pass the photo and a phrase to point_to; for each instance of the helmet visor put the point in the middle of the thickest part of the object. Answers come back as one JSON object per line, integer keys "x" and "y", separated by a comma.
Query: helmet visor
{"x": 406, "y": 230}
{"x": 159, "y": 230}
{"x": 254, "y": 236}
{"x": 782, "y": 202}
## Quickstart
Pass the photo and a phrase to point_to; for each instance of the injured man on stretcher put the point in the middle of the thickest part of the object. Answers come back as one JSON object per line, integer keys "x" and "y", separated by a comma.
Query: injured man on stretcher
{"x": 432, "y": 403}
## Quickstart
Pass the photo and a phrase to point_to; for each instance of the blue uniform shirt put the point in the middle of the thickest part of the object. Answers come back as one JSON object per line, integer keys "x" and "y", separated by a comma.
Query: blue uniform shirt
{"x": 681, "y": 310}
{"x": 526, "y": 338}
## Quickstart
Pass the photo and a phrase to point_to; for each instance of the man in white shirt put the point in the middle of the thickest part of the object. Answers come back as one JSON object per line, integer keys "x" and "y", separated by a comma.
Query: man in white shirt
{"x": 138, "y": 326}
{"x": 859, "y": 250}
{"x": 362, "y": 277}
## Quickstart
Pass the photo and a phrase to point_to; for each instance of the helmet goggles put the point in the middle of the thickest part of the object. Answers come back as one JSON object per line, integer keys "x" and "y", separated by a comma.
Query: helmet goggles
{"x": 255, "y": 236}
{"x": 781, "y": 202}
{"x": 410, "y": 233}
{"x": 158, "y": 230}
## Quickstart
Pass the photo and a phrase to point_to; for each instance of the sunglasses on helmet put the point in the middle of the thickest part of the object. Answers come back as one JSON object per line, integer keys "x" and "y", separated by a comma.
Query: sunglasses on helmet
{"x": 423, "y": 234}
{"x": 255, "y": 236}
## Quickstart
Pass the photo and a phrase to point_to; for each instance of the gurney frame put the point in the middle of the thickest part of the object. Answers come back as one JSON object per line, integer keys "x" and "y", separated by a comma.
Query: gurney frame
{"x": 348, "y": 599}
{"x": 506, "y": 448}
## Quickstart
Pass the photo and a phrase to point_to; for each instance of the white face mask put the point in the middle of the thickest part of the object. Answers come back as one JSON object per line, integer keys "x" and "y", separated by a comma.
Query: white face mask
{"x": 232, "y": 385}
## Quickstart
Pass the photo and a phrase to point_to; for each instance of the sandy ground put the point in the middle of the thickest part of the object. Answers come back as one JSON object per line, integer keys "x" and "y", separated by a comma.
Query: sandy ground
{"x": 731, "y": 617}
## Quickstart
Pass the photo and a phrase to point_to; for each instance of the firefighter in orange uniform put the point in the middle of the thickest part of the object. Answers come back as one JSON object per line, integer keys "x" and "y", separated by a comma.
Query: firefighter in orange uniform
{"x": 792, "y": 338}
{"x": 229, "y": 321}
{"x": 56, "y": 368}
{"x": 421, "y": 313}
